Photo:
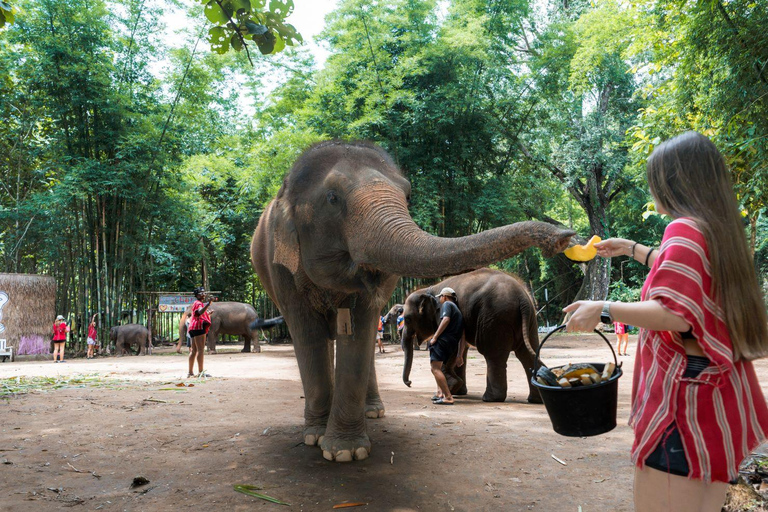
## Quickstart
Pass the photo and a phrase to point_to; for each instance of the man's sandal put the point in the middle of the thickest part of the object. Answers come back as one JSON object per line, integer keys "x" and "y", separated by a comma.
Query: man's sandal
{"x": 442, "y": 402}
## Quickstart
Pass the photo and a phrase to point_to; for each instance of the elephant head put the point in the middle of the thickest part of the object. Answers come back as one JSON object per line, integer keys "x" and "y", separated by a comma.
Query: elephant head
{"x": 393, "y": 313}
{"x": 342, "y": 218}
{"x": 422, "y": 316}
{"x": 113, "y": 333}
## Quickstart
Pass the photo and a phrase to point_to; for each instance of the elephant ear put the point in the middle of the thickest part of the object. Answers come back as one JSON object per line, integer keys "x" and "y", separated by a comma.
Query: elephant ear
{"x": 426, "y": 304}
{"x": 286, "y": 238}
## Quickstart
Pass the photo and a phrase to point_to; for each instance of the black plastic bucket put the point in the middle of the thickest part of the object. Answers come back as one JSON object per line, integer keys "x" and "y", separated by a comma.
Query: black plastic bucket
{"x": 581, "y": 411}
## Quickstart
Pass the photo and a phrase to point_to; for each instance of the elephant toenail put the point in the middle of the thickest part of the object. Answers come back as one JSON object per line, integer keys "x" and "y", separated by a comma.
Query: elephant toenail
{"x": 344, "y": 456}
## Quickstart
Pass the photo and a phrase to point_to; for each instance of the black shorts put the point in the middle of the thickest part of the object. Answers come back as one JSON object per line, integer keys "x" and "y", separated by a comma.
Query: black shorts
{"x": 197, "y": 332}
{"x": 443, "y": 350}
{"x": 669, "y": 455}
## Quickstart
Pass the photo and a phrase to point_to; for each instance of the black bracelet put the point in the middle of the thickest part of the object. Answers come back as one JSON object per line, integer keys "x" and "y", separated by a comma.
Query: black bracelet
{"x": 633, "y": 249}
{"x": 648, "y": 256}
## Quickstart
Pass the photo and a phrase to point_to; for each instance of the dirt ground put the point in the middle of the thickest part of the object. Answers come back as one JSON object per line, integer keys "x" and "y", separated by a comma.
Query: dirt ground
{"x": 83, "y": 446}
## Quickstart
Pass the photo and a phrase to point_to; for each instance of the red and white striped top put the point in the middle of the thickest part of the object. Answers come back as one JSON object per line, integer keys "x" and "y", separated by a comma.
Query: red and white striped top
{"x": 722, "y": 413}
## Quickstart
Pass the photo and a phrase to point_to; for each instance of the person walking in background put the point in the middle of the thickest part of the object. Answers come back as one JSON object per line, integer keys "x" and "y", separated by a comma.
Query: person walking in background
{"x": 199, "y": 323}
{"x": 444, "y": 344}
{"x": 380, "y": 335}
{"x": 697, "y": 407}
{"x": 60, "y": 330}
{"x": 91, "y": 337}
{"x": 621, "y": 335}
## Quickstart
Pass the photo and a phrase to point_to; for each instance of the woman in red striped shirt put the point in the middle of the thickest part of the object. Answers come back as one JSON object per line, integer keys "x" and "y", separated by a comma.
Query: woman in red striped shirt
{"x": 697, "y": 407}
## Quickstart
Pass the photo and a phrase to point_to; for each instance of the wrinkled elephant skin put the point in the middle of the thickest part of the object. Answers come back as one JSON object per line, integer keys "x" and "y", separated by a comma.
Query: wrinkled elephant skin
{"x": 329, "y": 250}
{"x": 499, "y": 318}
{"x": 233, "y": 318}
{"x": 127, "y": 335}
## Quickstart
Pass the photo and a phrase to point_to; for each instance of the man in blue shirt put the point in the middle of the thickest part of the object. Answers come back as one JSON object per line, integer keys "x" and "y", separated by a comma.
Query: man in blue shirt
{"x": 444, "y": 345}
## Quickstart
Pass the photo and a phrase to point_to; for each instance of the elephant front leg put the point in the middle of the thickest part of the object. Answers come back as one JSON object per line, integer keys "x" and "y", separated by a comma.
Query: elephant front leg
{"x": 346, "y": 438}
{"x": 212, "y": 340}
{"x": 374, "y": 407}
{"x": 496, "y": 378}
{"x": 457, "y": 375}
{"x": 314, "y": 354}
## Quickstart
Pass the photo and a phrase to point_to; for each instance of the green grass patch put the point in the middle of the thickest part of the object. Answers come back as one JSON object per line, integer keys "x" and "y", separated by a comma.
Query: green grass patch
{"x": 14, "y": 386}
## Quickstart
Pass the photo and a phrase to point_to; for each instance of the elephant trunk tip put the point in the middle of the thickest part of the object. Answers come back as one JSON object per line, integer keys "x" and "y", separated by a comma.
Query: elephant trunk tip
{"x": 407, "y": 382}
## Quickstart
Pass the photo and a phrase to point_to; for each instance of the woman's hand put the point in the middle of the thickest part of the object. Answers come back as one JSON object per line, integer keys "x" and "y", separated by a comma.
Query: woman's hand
{"x": 459, "y": 361}
{"x": 586, "y": 315}
{"x": 432, "y": 341}
{"x": 614, "y": 247}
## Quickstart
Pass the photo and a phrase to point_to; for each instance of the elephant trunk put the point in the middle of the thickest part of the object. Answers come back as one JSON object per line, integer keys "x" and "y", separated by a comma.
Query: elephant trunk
{"x": 382, "y": 235}
{"x": 406, "y": 343}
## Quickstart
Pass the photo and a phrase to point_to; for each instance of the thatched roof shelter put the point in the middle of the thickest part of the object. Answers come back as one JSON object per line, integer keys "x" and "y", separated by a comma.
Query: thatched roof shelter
{"x": 28, "y": 308}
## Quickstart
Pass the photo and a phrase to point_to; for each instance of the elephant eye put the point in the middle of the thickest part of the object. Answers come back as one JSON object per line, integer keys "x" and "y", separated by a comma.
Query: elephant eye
{"x": 332, "y": 197}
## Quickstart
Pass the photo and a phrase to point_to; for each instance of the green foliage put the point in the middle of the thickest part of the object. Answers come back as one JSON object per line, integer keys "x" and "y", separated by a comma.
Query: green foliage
{"x": 237, "y": 22}
{"x": 7, "y": 13}
{"x": 704, "y": 68}
{"x": 117, "y": 178}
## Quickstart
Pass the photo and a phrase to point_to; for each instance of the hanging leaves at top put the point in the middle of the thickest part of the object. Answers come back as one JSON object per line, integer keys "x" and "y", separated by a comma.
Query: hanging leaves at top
{"x": 6, "y": 13}
{"x": 239, "y": 22}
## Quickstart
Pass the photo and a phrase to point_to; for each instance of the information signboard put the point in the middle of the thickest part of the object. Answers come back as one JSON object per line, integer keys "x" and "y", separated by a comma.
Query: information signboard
{"x": 175, "y": 303}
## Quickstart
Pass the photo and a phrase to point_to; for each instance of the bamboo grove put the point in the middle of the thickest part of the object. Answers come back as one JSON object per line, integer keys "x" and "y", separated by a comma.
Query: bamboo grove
{"x": 133, "y": 162}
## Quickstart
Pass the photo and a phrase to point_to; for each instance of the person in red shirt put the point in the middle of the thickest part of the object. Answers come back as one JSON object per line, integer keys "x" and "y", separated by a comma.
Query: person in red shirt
{"x": 621, "y": 336}
{"x": 380, "y": 334}
{"x": 199, "y": 323}
{"x": 697, "y": 407}
{"x": 60, "y": 330}
{"x": 91, "y": 337}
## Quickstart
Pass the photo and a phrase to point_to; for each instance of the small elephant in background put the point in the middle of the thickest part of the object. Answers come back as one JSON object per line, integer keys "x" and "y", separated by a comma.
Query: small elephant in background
{"x": 499, "y": 318}
{"x": 127, "y": 335}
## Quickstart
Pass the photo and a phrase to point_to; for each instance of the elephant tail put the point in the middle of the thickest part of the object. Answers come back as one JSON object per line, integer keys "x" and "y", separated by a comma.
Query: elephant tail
{"x": 261, "y": 323}
{"x": 530, "y": 326}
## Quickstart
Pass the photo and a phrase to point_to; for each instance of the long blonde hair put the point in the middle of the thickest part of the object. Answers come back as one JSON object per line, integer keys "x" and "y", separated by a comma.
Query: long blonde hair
{"x": 688, "y": 177}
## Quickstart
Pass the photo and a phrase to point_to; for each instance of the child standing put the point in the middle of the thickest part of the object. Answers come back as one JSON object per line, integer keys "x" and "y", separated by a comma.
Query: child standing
{"x": 60, "y": 330}
{"x": 621, "y": 335}
{"x": 91, "y": 338}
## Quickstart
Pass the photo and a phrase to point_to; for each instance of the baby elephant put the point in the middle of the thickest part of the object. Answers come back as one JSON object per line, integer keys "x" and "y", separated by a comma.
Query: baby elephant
{"x": 499, "y": 317}
{"x": 130, "y": 334}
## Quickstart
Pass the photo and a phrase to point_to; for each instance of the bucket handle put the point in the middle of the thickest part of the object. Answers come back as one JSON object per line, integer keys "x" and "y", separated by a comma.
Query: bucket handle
{"x": 538, "y": 364}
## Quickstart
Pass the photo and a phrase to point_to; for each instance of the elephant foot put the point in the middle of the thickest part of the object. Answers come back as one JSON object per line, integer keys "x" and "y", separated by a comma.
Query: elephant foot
{"x": 490, "y": 397}
{"x": 313, "y": 435}
{"x": 535, "y": 398}
{"x": 459, "y": 390}
{"x": 374, "y": 410}
{"x": 346, "y": 450}
{"x": 246, "y": 349}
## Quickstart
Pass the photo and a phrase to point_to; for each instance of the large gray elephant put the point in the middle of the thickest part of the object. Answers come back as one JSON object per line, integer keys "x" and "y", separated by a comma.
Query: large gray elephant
{"x": 234, "y": 318}
{"x": 329, "y": 250}
{"x": 127, "y": 335}
{"x": 499, "y": 318}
